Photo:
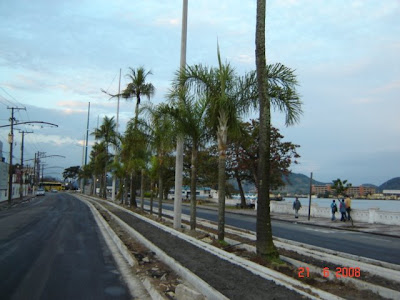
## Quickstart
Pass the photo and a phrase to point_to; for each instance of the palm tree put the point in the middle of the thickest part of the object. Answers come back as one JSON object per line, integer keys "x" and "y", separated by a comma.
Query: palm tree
{"x": 275, "y": 85}
{"x": 190, "y": 120}
{"x": 98, "y": 163}
{"x": 138, "y": 87}
{"x": 133, "y": 154}
{"x": 160, "y": 132}
{"x": 107, "y": 134}
{"x": 226, "y": 102}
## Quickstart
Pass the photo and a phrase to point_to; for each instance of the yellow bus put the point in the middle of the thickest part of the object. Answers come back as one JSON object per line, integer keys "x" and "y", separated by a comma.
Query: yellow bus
{"x": 48, "y": 186}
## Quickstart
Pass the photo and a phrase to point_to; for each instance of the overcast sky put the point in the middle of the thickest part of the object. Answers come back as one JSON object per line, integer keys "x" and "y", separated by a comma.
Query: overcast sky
{"x": 55, "y": 56}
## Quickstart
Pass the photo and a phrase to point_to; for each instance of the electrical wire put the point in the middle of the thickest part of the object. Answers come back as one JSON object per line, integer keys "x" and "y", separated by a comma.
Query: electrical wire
{"x": 16, "y": 101}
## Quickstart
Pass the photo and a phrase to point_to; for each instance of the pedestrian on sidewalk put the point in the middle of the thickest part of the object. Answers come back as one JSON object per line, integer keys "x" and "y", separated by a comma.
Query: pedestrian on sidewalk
{"x": 342, "y": 209}
{"x": 334, "y": 210}
{"x": 296, "y": 207}
{"x": 347, "y": 202}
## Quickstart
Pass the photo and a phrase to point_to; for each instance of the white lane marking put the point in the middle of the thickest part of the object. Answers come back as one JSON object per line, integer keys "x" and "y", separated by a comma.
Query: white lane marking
{"x": 319, "y": 230}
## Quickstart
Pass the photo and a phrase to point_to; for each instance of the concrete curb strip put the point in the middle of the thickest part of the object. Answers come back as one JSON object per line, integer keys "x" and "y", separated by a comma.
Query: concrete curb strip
{"x": 197, "y": 282}
{"x": 257, "y": 269}
{"x": 379, "y": 268}
{"x": 379, "y": 290}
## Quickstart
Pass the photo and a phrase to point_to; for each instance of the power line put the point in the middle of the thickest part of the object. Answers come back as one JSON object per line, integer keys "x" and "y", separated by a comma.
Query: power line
{"x": 7, "y": 101}
{"x": 16, "y": 101}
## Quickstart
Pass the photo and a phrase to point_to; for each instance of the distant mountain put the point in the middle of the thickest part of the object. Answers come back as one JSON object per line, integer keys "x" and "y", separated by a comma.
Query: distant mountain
{"x": 298, "y": 184}
{"x": 370, "y": 185}
{"x": 391, "y": 184}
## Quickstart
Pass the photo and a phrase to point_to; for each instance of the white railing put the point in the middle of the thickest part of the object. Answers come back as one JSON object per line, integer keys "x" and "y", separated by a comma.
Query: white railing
{"x": 372, "y": 215}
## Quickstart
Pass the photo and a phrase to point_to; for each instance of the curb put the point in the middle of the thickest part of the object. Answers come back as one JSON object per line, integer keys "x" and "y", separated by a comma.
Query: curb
{"x": 193, "y": 279}
{"x": 266, "y": 273}
{"x": 380, "y": 268}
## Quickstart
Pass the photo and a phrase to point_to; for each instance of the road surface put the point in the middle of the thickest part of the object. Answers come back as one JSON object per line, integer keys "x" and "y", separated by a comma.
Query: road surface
{"x": 51, "y": 248}
{"x": 377, "y": 247}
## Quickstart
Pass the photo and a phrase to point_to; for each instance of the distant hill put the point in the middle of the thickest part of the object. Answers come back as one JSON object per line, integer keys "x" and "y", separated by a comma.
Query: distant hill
{"x": 295, "y": 184}
{"x": 371, "y": 185}
{"x": 298, "y": 184}
{"x": 391, "y": 184}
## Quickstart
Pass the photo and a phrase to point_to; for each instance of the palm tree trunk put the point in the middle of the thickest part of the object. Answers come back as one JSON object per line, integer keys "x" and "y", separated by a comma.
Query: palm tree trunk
{"x": 126, "y": 189}
{"x": 105, "y": 186}
{"x": 222, "y": 138}
{"x": 160, "y": 194}
{"x": 151, "y": 196}
{"x": 133, "y": 190}
{"x": 142, "y": 190}
{"x": 137, "y": 110}
{"x": 264, "y": 244}
{"x": 93, "y": 189}
{"x": 193, "y": 177}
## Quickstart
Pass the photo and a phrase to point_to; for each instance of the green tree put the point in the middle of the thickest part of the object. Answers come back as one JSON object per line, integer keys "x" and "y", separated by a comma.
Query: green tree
{"x": 340, "y": 187}
{"x": 242, "y": 154}
{"x": 190, "y": 121}
{"x": 133, "y": 156}
{"x": 227, "y": 97}
{"x": 160, "y": 133}
{"x": 71, "y": 172}
{"x": 107, "y": 134}
{"x": 99, "y": 160}
{"x": 138, "y": 87}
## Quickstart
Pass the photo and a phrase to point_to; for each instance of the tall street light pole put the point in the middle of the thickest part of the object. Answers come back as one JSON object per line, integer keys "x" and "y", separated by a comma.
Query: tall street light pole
{"x": 86, "y": 144}
{"x": 114, "y": 182}
{"x": 179, "y": 143}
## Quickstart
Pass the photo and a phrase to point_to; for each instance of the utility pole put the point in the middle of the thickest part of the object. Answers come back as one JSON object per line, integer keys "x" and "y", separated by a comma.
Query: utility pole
{"x": 309, "y": 202}
{"x": 83, "y": 157}
{"x": 179, "y": 143}
{"x": 11, "y": 141}
{"x": 21, "y": 187}
{"x": 37, "y": 176}
{"x": 34, "y": 174}
{"x": 86, "y": 145}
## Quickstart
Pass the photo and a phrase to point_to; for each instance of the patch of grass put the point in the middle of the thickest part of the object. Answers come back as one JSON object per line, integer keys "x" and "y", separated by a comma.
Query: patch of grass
{"x": 223, "y": 243}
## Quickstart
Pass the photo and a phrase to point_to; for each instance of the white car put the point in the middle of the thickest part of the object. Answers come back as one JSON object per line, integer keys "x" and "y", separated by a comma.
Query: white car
{"x": 40, "y": 192}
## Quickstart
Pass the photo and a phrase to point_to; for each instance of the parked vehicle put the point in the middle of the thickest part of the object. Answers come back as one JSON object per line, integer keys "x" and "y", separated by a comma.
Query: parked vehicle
{"x": 40, "y": 192}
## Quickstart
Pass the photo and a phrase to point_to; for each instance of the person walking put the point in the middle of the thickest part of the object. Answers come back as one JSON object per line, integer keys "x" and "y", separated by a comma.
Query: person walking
{"x": 342, "y": 209}
{"x": 334, "y": 210}
{"x": 296, "y": 207}
{"x": 347, "y": 202}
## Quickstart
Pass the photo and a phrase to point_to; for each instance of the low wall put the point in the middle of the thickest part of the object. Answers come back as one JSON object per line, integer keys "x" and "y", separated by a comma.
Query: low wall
{"x": 372, "y": 215}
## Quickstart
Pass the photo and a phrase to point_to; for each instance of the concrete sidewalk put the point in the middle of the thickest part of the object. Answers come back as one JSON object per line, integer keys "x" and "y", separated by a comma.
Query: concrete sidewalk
{"x": 379, "y": 229}
{"x": 16, "y": 201}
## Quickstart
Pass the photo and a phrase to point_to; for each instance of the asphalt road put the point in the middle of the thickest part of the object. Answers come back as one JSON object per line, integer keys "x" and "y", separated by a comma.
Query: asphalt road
{"x": 51, "y": 248}
{"x": 358, "y": 243}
